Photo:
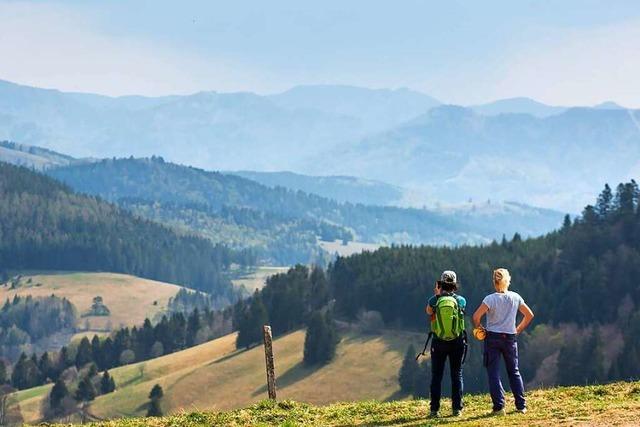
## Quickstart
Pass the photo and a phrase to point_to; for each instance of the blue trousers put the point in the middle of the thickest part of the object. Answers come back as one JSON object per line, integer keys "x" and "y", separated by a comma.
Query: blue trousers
{"x": 503, "y": 346}
{"x": 440, "y": 351}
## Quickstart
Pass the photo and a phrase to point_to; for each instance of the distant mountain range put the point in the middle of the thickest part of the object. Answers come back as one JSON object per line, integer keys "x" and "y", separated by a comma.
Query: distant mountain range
{"x": 514, "y": 149}
{"x": 453, "y": 153}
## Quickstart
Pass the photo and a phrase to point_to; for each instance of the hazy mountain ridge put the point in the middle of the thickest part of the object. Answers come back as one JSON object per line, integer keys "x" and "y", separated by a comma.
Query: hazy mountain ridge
{"x": 453, "y": 153}
{"x": 158, "y": 181}
{"x": 375, "y": 109}
{"x": 400, "y": 137}
{"x": 339, "y": 188}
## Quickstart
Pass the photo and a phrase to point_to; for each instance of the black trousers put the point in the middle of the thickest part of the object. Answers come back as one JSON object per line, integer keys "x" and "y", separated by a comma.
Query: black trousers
{"x": 440, "y": 351}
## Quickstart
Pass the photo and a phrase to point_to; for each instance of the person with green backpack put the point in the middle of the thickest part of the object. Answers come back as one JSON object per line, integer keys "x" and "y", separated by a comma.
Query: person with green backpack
{"x": 446, "y": 311}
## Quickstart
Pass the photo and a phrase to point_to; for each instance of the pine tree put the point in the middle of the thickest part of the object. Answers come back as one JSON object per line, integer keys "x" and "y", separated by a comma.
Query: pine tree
{"x": 155, "y": 396}
{"x": 250, "y": 330}
{"x": 45, "y": 366}
{"x": 193, "y": 326}
{"x": 570, "y": 369}
{"x": 83, "y": 354}
{"x": 86, "y": 392}
{"x": 604, "y": 204}
{"x": 107, "y": 384}
{"x": 3, "y": 373}
{"x": 409, "y": 370}
{"x": 96, "y": 353}
{"x": 319, "y": 295}
{"x": 25, "y": 373}
{"x": 320, "y": 340}
{"x": 155, "y": 409}
{"x": 156, "y": 392}
{"x": 593, "y": 358}
{"x": 57, "y": 395}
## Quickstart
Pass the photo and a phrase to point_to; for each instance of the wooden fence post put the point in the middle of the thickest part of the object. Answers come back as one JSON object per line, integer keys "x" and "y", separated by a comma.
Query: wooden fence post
{"x": 268, "y": 355}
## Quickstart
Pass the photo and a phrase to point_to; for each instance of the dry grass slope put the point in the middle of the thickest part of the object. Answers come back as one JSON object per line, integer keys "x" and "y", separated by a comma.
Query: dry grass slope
{"x": 613, "y": 404}
{"x": 130, "y": 299}
{"x": 258, "y": 278}
{"x": 214, "y": 376}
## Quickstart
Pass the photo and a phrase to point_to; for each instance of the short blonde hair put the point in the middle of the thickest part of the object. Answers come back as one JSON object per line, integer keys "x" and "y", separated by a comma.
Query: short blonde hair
{"x": 501, "y": 279}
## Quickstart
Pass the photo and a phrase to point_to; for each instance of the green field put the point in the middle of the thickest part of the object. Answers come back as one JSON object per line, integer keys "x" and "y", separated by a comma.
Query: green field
{"x": 612, "y": 404}
{"x": 214, "y": 376}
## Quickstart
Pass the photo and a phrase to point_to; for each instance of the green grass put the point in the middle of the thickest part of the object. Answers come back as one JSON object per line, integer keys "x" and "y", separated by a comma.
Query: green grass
{"x": 613, "y": 404}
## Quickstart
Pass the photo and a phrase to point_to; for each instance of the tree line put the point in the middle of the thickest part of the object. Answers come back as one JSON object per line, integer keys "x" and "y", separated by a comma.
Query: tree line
{"x": 25, "y": 320}
{"x": 297, "y": 298}
{"x": 127, "y": 345}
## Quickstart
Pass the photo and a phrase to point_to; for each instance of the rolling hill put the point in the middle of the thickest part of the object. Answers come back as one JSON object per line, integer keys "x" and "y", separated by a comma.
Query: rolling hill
{"x": 72, "y": 232}
{"x": 233, "y": 379}
{"x": 339, "y": 188}
{"x": 145, "y": 184}
{"x": 518, "y": 106}
{"x": 32, "y": 157}
{"x": 129, "y": 299}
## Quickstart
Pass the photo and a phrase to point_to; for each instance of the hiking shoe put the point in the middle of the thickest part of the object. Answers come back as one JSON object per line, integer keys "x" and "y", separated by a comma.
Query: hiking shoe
{"x": 499, "y": 412}
{"x": 433, "y": 414}
{"x": 522, "y": 411}
{"x": 457, "y": 412}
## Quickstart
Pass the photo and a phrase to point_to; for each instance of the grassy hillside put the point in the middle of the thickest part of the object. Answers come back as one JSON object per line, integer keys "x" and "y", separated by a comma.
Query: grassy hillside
{"x": 130, "y": 299}
{"x": 213, "y": 376}
{"x": 613, "y": 404}
{"x": 257, "y": 278}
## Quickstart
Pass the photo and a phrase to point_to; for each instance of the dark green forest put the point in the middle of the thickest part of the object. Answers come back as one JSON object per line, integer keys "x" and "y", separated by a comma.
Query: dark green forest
{"x": 25, "y": 320}
{"x": 581, "y": 281}
{"x": 46, "y": 226}
{"x": 172, "y": 333}
{"x": 280, "y": 224}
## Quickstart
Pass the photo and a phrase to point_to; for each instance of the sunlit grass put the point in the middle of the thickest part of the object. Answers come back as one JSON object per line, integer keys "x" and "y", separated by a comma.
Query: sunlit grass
{"x": 613, "y": 404}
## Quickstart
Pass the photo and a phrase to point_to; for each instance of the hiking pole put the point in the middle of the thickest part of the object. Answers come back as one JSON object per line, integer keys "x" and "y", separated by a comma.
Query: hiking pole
{"x": 466, "y": 346}
{"x": 426, "y": 344}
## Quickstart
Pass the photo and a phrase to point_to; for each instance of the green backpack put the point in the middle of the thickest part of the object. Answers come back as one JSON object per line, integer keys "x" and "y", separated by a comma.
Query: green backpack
{"x": 449, "y": 319}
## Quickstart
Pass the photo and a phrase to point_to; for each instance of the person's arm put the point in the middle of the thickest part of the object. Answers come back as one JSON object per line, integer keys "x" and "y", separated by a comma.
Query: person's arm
{"x": 477, "y": 316}
{"x": 436, "y": 292}
{"x": 528, "y": 317}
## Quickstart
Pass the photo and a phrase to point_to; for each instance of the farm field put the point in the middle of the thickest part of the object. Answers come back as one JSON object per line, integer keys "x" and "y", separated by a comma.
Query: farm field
{"x": 130, "y": 299}
{"x": 350, "y": 248}
{"x": 257, "y": 278}
{"x": 214, "y": 376}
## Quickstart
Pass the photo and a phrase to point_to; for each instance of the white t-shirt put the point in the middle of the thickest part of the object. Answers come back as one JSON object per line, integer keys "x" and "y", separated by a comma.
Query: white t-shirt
{"x": 503, "y": 309}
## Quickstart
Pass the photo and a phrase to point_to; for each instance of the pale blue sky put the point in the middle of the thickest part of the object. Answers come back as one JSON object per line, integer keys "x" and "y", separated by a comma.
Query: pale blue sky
{"x": 560, "y": 52}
